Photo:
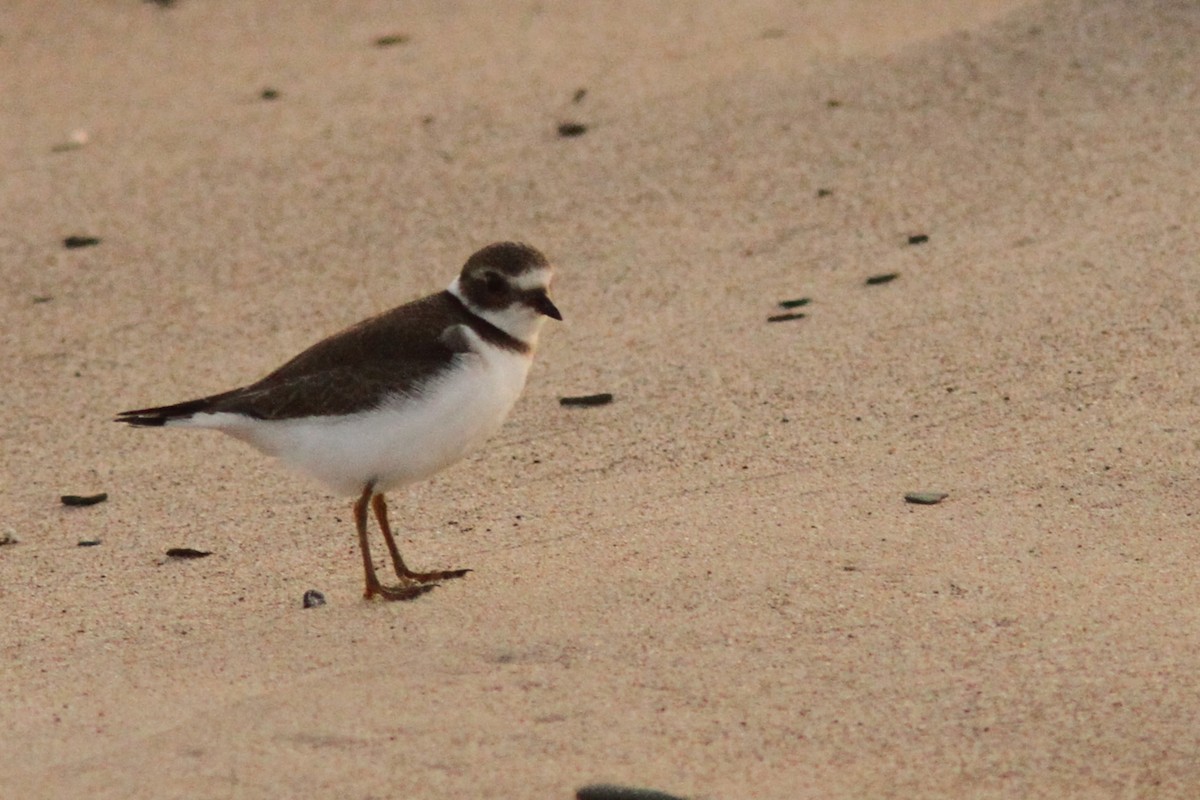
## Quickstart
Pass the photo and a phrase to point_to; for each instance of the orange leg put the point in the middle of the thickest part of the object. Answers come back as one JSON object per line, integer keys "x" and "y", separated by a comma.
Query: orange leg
{"x": 402, "y": 571}
{"x": 374, "y": 587}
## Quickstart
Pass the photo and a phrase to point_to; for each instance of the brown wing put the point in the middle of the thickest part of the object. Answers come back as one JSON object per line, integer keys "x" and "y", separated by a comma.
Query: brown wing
{"x": 398, "y": 351}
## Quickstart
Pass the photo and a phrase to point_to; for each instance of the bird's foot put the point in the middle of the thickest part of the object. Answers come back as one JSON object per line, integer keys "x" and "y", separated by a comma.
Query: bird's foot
{"x": 430, "y": 577}
{"x": 408, "y": 592}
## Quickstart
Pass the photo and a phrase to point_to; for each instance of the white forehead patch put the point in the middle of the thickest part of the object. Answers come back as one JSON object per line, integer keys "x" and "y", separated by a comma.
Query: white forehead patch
{"x": 533, "y": 279}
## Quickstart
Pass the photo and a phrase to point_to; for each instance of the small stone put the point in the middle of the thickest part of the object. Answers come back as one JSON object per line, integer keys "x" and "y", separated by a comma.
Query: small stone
{"x": 925, "y": 498}
{"x": 569, "y": 130}
{"x": 269, "y": 94}
{"x": 77, "y": 140}
{"x": 579, "y": 95}
{"x": 188, "y": 552}
{"x": 87, "y": 543}
{"x": 392, "y": 39}
{"x": 785, "y": 317}
{"x": 75, "y": 242}
{"x": 798, "y": 303}
{"x": 313, "y": 599}
{"x": 824, "y": 192}
{"x": 918, "y": 238}
{"x": 888, "y": 277}
{"x": 601, "y": 399}
{"x": 609, "y": 791}
{"x": 83, "y": 500}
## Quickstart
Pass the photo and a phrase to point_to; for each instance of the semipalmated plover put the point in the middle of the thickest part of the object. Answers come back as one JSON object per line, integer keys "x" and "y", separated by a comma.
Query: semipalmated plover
{"x": 395, "y": 398}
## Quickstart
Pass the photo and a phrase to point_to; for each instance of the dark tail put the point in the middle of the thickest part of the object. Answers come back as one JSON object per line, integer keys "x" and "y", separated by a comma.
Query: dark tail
{"x": 161, "y": 415}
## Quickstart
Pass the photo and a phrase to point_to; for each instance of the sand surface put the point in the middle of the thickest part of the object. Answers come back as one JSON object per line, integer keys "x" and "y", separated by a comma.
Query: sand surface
{"x": 712, "y": 586}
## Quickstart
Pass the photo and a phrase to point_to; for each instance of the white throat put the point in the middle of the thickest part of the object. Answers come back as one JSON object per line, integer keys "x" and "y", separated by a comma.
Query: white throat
{"x": 519, "y": 321}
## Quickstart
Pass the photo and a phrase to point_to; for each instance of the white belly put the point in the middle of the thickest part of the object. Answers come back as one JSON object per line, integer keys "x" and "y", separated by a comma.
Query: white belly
{"x": 403, "y": 441}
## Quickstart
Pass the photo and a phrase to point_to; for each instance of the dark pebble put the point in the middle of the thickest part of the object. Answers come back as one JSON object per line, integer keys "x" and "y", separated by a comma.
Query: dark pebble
{"x": 925, "y": 498}
{"x": 875, "y": 280}
{"x": 602, "y": 399}
{"x": 609, "y": 791}
{"x": 786, "y": 317}
{"x": 269, "y": 94}
{"x": 579, "y": 95}
{"x": 391, "y": 40}
{"x": 42, "y": 298}
{"x": 833, "y": 103}
{"x": 83, "y": 499}
{"x": 313, "y": 599}
{"x": 918, "y": 238}
{"x": 824, "y": 192}
{"x": 571, "y": 129}
{"x": 87, "y": 543}
{"x": 803, "y": 301}
{"x": 73, "y": 242}
{"x": 188, "y": 552}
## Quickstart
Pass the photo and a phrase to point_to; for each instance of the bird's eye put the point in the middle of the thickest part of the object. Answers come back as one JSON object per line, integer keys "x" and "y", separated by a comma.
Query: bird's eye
{"x": 495, "y": 283}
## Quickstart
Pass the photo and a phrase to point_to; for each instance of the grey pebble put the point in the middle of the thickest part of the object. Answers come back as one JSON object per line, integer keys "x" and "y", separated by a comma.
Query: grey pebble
{"x": 187, "y": 552}
{"x": 587, "y": 400}
{"x": 609, "y": 791}
{"x": 887, "y": 277}
{"x": 925, "y": 498}
{"x": 83, "y": 499}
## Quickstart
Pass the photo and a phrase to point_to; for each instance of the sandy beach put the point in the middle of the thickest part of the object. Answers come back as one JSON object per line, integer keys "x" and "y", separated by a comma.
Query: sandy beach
{"x": 713, "y": 586}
